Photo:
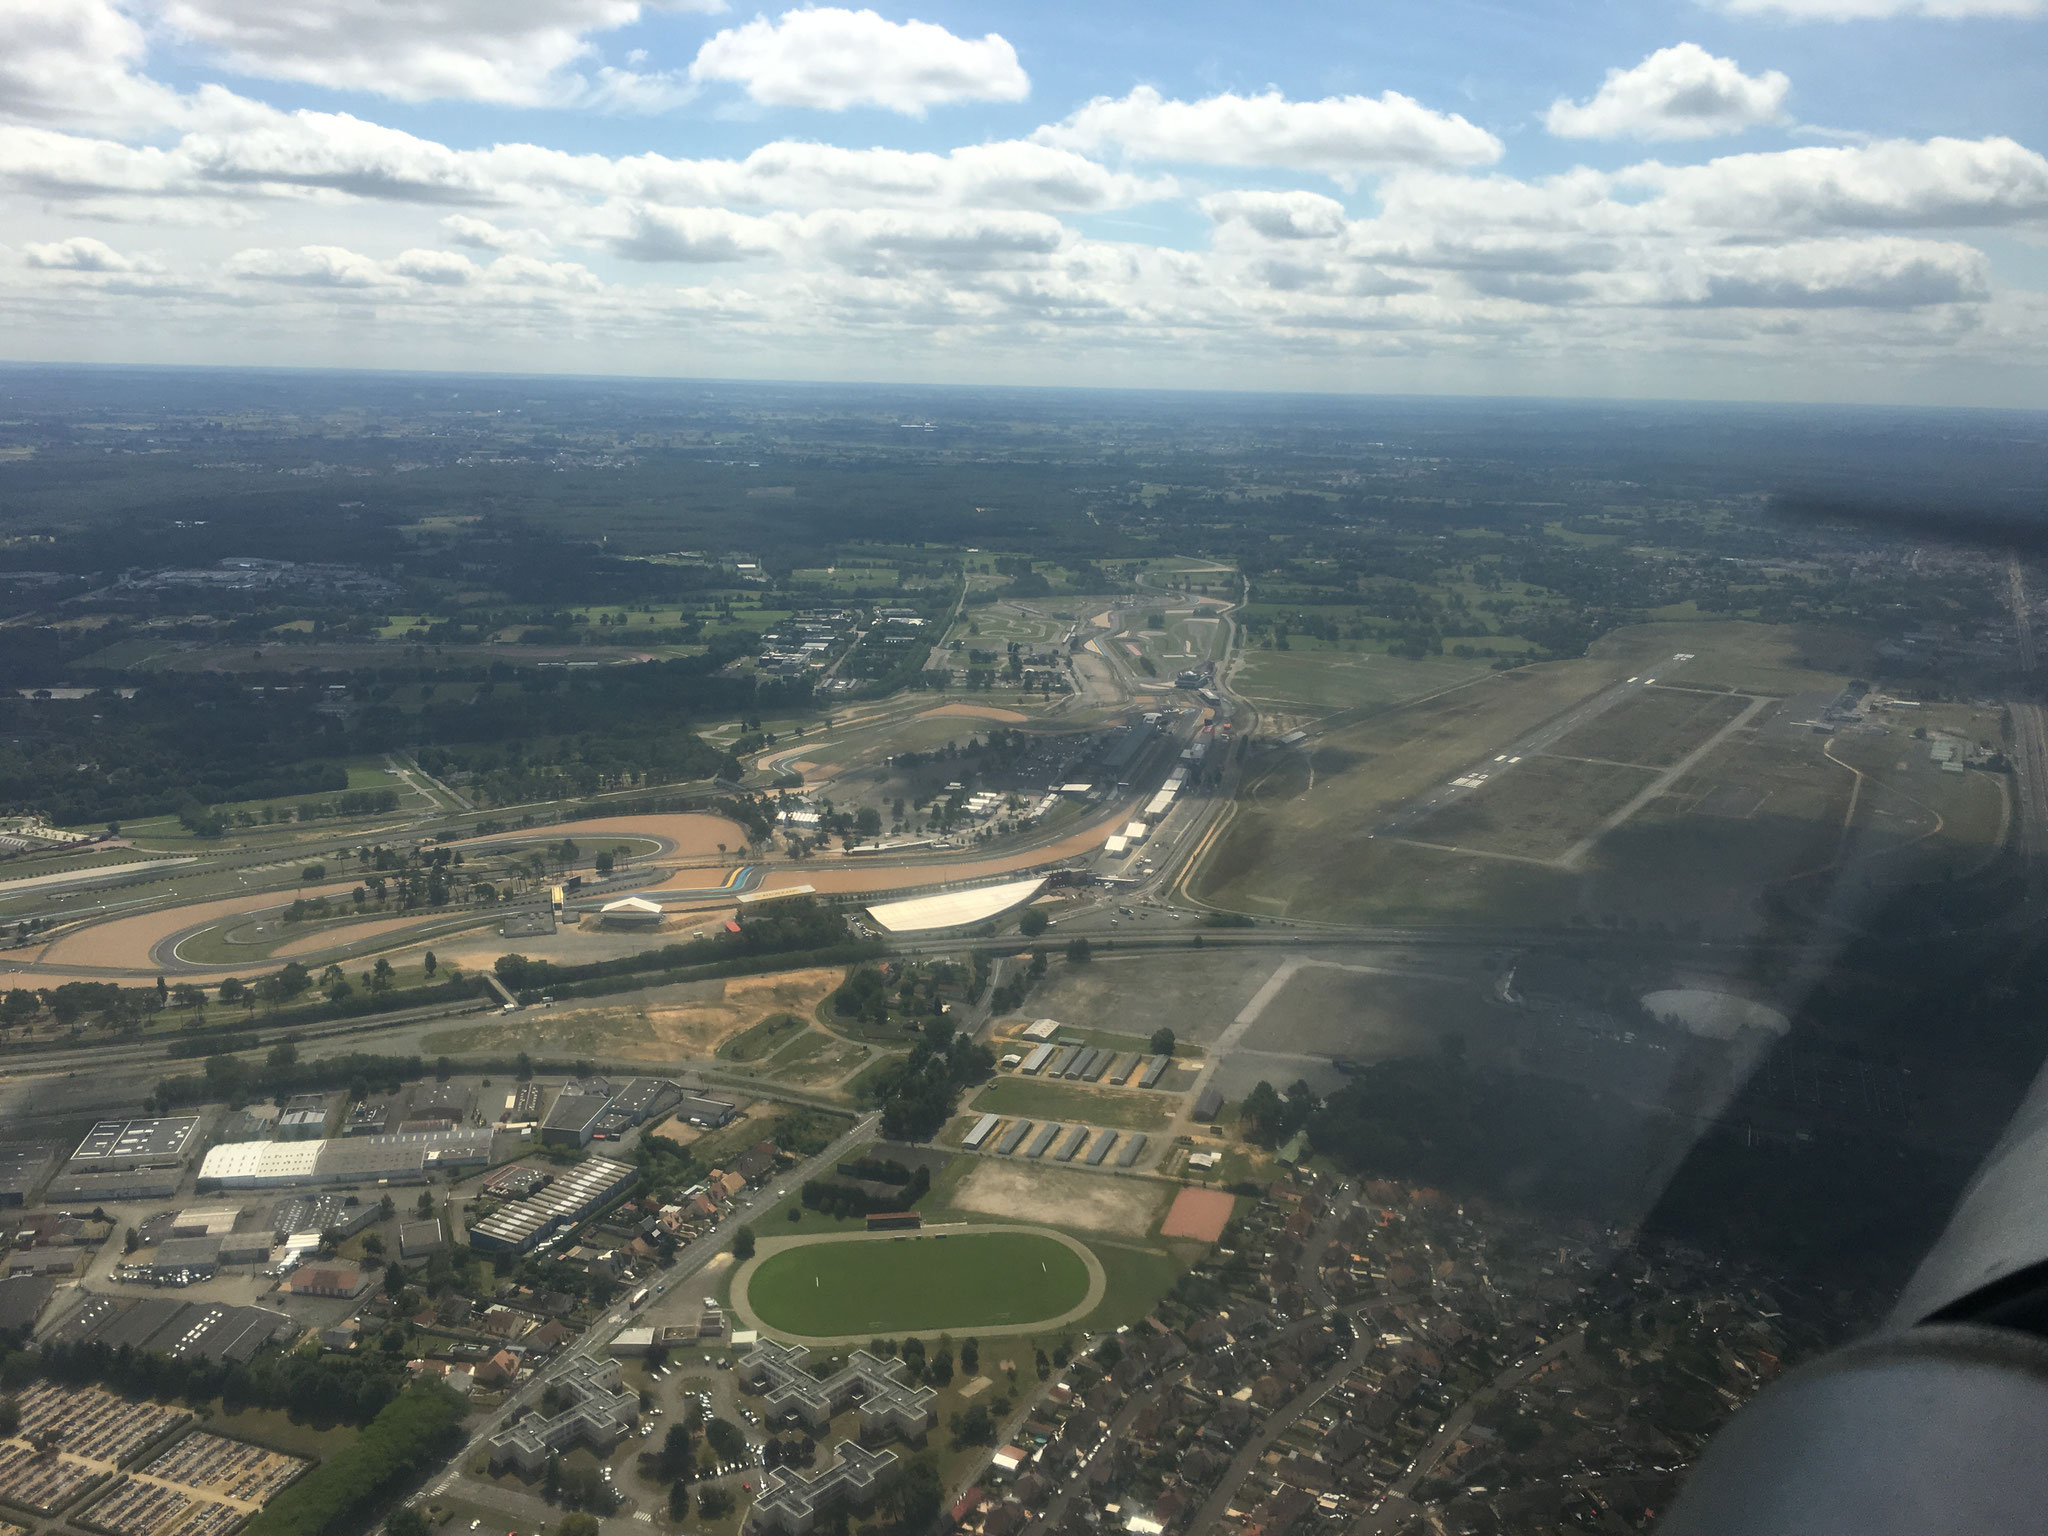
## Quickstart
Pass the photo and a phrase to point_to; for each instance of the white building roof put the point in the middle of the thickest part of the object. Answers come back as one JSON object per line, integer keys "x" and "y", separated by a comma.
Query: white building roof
{"x": 953, "y": 909}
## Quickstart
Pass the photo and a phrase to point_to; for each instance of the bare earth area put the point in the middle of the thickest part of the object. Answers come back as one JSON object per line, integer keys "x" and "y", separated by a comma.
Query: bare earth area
{"x": 974, "y": 712}
{"x": 693, "y": 836}
{"x": 667, "y": 1024}
{"x": 1198, "y": 1213}
{"x": 1061, "y": 1198}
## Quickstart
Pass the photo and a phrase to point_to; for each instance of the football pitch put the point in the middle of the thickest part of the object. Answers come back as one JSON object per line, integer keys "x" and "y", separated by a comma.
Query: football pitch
{"x": 916, "y": 1283}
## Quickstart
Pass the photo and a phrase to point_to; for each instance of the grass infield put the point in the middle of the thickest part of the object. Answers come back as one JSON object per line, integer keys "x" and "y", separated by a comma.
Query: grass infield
{"x": 918, "y": 1284}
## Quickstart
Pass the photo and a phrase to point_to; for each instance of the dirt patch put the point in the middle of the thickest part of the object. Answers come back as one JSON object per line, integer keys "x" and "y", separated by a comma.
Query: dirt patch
{"x": 1059, "y": 1197}
{"x": 694, "y": 835}
{"x": 974, "y": 712}
{"x": 1198, "y": 1213}
{"x": 669, "y": 1024}
{"x": 699, "y": 1028}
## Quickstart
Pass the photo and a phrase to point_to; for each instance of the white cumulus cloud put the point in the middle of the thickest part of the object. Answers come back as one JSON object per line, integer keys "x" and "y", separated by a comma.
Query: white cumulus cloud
{"x": 1681, "y": 92}
{"x": 76, "y": 62}
{"x": 518, "y": 52}
{"x": 1279, "y": 215}
{"x": 311, "y": 266}
{"x": 82, "y": 253}
{"x": 1339, "y": 136}
{"x": 1891, "y": 184}
{"x": 831, "y": 58}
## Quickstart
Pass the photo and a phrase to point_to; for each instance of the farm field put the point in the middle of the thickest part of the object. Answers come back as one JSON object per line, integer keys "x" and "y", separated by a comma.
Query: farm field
{"x": 1309, "y": 684}
{"x": 917, "y": 1283}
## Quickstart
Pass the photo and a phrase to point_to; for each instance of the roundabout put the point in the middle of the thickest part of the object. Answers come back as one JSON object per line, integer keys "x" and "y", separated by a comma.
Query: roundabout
{"x": 849, "y": 1287}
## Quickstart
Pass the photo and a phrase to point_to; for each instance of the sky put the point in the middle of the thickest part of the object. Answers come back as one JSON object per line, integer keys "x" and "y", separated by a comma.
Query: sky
{"x": 1779, "y": 200}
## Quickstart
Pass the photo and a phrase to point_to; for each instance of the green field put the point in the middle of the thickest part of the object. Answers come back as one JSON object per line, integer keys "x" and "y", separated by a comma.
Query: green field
{"x": 1318, "y": 682}
{"x": 918, "y": 1283}
{"x": 1129, "y": 1110}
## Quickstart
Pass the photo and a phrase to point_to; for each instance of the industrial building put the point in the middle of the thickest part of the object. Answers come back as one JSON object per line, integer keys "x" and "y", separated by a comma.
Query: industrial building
{"x": 1101, "y": 1148}
{"x": 707, "y": 1112}
{"x": 574, "y": 1195}
{"x": 577, "y": 1109}
{"x": 209, "y": 1330}
{"x": 980, "y": 1132}
{"x": 1154, "y": 1070}
{"x": 342, "y": 1214}
{"x": 22, "y": 1166}
{"x": 1037, "y": 1058}
{"x": 347, "y": 1160}
{"x": 178, "y": 1259}
{"x": 419, "y": 1239}
{"x": 1043, "y": 1139}
{"x": 1018, "y": 1130}
{"x": 1134, "y": 1147}
{"x": 119, "y": 1145}
{"x": 1070, "y": 1144}
{"x": 1208, "y": 1104}
{"x": 600, "y": 1418}
{"x": 119, "y": 1184}
{"x": 205, "y": 1221}
{"x": 304, "y": 1118}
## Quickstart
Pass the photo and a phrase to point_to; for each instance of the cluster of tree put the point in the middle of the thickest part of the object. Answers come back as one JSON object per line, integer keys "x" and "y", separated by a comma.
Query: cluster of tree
{"x": 1271, "y": 1118}
{"x": 578, "y": 1487}
{"x": 322, "y": 1388}
{"x": 282, "y": 1074}
{"x": 864, "y": 995}
{"x": 848, "y": 1201}
{"x": 204, "y": 744}
{"x": 873, "y": 1170}
{"x": 414, "y": 1431}
{"x": 919, "y": 1092}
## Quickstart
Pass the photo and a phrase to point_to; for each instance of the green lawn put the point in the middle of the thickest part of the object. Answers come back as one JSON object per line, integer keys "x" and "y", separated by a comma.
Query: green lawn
{"x": 1127, "y": 1110}
{"x": 918, "y": 1284}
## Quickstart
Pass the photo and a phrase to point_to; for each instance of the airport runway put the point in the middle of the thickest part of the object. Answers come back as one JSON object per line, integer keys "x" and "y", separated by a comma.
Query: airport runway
{"x": 1544, "y": 736}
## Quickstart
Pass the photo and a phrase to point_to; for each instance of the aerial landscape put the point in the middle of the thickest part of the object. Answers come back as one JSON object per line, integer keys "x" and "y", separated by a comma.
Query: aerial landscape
{"x": 1288, "y": 813}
